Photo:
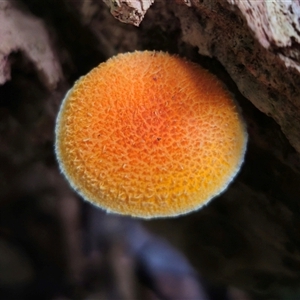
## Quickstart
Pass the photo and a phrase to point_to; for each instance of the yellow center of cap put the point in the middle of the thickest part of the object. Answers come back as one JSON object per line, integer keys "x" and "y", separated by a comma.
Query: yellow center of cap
{"x": 148, "y": 134}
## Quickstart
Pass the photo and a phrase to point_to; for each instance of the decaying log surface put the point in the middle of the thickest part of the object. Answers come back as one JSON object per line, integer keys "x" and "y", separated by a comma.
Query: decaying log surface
{"x": 16, "y": 32}
{"x": 258, "y": 44}
{"x": 132, "y": 12}
{"x": 247, "y": 238}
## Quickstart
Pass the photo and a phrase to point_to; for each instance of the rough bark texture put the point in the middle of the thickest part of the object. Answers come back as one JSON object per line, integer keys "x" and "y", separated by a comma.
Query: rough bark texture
{"x": 264, "y": 64}
{"x": 247, "y": 238}
{"x": 132, "y": 12}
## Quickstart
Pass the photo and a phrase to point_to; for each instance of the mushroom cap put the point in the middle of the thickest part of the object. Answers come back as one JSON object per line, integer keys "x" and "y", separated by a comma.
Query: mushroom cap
{"x": 149, "y": 134}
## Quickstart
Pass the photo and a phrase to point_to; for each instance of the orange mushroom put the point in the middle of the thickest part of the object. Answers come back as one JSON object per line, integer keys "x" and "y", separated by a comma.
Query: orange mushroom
{"x": 149, "y": 134}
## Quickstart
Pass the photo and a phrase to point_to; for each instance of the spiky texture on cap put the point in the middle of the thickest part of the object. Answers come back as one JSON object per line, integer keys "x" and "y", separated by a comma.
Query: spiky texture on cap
{"x": 148, "y": 134}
